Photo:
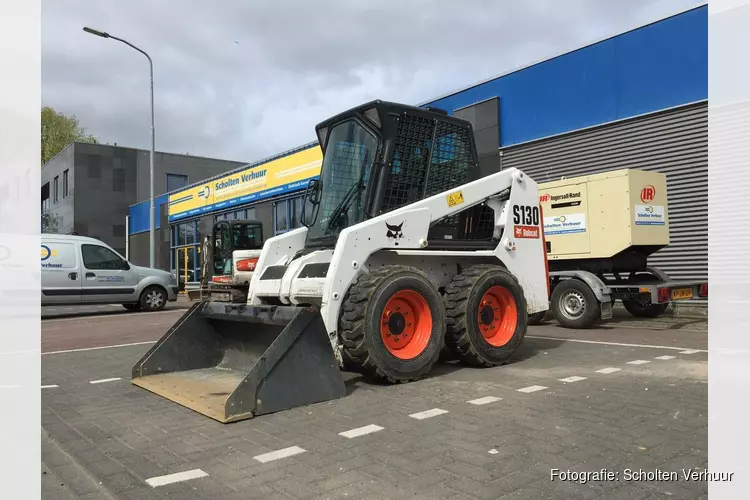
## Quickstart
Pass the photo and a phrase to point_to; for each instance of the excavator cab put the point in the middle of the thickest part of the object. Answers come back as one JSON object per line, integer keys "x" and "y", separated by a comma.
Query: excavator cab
{"x": 230, "y": 236}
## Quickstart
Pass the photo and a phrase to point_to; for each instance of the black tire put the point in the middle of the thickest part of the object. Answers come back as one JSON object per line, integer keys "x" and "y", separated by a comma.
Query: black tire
{"x": 153, "y": 298}
{"x": 132, "y": 307}
{"x": 582, "y": 298}
{"x": 463, "y": 298}
{"x": 641, "y": 310}
{"x": 648, "y": 309}
{"x": 364, "y": 350}
{"x": 536, "y": 318}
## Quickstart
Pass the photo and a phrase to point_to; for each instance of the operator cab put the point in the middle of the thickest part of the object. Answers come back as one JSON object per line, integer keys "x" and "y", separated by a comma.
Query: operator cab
{"x": 231, "y": 235}
{"x": 382, "y": 156}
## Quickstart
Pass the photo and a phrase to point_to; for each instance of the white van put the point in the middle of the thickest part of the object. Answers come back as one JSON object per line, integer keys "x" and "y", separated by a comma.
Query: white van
{"x": 78, "y": 270}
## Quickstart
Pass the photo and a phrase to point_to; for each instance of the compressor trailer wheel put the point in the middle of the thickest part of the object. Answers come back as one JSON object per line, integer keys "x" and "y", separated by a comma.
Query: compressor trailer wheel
{"x": 486, "y": 315}
{"x": 392, "y": 325}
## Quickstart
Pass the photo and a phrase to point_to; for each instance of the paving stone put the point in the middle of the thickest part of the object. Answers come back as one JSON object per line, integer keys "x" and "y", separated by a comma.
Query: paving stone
{"x": 607, "y": 421}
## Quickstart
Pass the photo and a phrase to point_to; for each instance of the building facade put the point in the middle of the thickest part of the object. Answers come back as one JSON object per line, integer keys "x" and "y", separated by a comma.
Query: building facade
{"x": 635, "y": 100}
{"x": 88, "y": 188}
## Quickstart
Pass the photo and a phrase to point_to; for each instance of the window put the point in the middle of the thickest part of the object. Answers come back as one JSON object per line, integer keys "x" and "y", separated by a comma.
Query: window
{"x": 118, "y": 180}
{"x": 245, "y": 237}
{"x": 65, "y": 184}
{"x": 281, "y": 217}
{"x": 59, "y": 256}
{"x": 101, "y": 258}
{"x": 56, "y": 188}
{"x": 287, "y": 215}
{"x": 184, "y": 255}
{"x": 176, "y": 181}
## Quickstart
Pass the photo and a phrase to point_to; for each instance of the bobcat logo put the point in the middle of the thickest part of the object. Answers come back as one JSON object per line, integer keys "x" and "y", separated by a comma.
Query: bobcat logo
{"x": 394, "y": 232}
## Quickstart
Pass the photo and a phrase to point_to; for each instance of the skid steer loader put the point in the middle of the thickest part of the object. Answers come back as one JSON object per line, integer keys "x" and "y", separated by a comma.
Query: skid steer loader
{"x": 405, "y": 250}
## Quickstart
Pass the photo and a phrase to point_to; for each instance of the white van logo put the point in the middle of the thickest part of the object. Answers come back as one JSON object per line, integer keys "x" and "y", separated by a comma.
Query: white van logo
{"x": 46, "y": 254}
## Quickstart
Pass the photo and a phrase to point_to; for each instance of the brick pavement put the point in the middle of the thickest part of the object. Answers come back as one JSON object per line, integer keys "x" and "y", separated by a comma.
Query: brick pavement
{"x": 644, "y": 416}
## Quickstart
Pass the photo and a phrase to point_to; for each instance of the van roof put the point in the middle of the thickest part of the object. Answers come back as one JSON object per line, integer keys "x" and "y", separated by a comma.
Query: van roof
{"x": 71, "y": 238}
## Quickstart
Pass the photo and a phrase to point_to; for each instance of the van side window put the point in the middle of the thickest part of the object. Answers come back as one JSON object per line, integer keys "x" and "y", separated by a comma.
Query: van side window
{"x": 58, "y": 256}
{"x": 96, "y": 257}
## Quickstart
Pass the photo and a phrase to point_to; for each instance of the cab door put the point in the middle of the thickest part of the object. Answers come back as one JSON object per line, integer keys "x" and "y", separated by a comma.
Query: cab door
{"x": 61, "y": 273}
{"x": 107, "y": 277}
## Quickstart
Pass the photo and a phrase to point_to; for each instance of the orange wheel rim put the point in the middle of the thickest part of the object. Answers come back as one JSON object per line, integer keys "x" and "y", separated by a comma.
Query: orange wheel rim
{"x": 406, "y": 324}
{"x": 497, "y": 316}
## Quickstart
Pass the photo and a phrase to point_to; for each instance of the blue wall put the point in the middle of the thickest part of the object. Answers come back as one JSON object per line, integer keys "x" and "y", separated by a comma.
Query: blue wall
{"x": 655, "y": 67}
{"x": 139, "y": 219}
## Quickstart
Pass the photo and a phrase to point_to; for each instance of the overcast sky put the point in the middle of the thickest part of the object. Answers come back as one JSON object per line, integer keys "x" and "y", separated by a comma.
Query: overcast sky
{"x": 242, "y": 80}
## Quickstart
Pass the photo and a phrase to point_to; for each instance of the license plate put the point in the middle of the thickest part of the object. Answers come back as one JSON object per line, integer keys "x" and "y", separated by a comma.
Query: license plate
{"x": 221, "y": 297}
{"x": 682, "y": 293}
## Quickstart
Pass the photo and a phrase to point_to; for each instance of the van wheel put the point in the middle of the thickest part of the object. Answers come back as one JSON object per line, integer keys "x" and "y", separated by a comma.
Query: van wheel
{"x": 153, "y": 298}
{"x": 132, "y": 307}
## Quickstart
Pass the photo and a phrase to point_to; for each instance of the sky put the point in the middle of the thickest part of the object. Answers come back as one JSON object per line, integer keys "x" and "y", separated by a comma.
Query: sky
{"x": 246, "y": 80}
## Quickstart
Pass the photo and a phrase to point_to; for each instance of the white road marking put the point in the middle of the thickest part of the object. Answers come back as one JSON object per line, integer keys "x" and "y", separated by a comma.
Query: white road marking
{"x": 664, "y": 357}
{"x": 532, "y": 388}
{"x": 574, "y": 378}
{"x": 102, "y": 347}
{"x": 361, "y": 431}
{"x": 638, "y": 362}
{"x": 276, "y": 455}
{"x": 691, "y": 351}
{"x": 175, "y": 478}
{"x": 89, "y": 316}
{"x": 609, "y": 370}
{"x": 50, "y": 386}
{"x": 428, "y": 413}
{"x": 104, "y": 380}
{"x": 483, "y": 401}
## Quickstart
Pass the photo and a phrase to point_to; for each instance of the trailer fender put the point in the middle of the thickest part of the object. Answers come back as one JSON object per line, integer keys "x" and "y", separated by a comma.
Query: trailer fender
{"x": 601, "y": 291}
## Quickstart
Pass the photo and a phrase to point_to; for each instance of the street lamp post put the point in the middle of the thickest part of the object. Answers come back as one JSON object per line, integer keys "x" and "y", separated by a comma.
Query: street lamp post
{"x": 152, "y": 210}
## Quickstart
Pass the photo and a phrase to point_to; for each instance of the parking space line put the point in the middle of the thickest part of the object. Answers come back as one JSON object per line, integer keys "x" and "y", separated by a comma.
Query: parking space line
{"x": 104, "y": 380}
{"x": 483, "y": 401}
{"x": 690, "y": 351}
{"x": 361, "y": 431}
{"x": 638, "y": 362}
{"x": 52, "y": 386}
{"x": 665, "y": 357}
{"x": 532, "y": 388}
{"x": 574, "y": 378}
{"x": 428, "y": 413}
{"x": 102, "y": 347}
{"x": 608, "y": 370}
{"x": 175, "y": 478}
{"x": 279, "y": 454}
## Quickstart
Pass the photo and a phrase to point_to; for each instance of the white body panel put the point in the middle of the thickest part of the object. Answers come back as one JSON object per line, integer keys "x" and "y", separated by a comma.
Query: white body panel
{"x": 68, "y": 280}
{"x": 367, "y": 244}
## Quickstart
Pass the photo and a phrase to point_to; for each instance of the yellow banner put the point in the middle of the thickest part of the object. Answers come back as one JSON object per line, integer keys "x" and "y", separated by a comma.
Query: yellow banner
{"x": 287, "y": 174}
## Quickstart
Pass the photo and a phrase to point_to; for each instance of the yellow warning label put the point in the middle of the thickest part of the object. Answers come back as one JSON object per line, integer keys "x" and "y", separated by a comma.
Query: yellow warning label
{"x": 455, "y": 198}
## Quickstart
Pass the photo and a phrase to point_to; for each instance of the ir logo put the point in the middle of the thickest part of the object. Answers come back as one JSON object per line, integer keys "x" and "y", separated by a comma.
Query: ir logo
{"x": 648, "y": 194}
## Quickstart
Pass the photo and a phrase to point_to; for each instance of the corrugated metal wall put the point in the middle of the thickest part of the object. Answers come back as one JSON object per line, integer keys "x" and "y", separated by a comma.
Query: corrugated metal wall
{"x": 674, "y": 142}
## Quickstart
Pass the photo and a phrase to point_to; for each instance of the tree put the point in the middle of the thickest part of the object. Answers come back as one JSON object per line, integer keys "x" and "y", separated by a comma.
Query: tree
{"x": 58, "y": 131}
{"x": 50, "y": 223}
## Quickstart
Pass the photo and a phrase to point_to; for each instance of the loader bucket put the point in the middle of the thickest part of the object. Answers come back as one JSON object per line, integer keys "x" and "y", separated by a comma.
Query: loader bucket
{"x": 231, "y": 362}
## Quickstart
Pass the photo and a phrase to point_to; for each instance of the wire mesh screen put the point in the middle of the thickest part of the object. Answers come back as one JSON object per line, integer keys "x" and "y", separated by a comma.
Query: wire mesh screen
{"x": 410, "y": 161}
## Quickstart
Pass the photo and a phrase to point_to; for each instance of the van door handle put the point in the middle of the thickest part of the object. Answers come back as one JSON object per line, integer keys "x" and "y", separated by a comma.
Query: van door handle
{"x": 73, "y": 276}
{"x": 90, "y": 275}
